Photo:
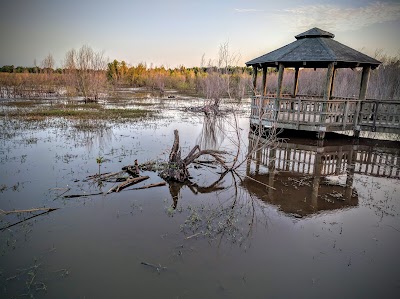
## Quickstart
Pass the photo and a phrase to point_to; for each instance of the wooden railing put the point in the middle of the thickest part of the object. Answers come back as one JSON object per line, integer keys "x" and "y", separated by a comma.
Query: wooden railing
{"x": 312, "y": 113}
{"x": 375, "y": 115}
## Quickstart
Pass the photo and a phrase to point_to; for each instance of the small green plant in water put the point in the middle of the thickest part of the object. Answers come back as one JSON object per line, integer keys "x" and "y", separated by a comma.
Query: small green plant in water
{"x": 99, "y": 160}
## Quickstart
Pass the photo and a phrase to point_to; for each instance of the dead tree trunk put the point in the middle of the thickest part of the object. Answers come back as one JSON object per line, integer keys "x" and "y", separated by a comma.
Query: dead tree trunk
{"x": 177, "y": 167}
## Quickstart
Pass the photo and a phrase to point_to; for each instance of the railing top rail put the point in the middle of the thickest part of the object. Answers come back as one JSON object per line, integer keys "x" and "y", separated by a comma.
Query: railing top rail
{"x": 316, "y": 100}
{"x": 331, "y": 100}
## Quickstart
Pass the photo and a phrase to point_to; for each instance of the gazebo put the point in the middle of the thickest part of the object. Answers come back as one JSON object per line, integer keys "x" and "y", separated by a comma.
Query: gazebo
{"x": 317, "y": 48}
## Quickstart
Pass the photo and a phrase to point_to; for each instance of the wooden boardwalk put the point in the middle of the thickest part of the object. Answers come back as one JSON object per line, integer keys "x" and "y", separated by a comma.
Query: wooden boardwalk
{"x": 310, "y": 113}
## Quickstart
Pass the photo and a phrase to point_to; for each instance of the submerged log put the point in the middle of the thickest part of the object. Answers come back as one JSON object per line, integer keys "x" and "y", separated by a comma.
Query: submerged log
{"x": 133, "y": 170}
{"x": 27, "y": 211}
{"x": 177, "y": 167}
{"x": 150, "y": 186}
{"x": 127, "y": 183}
{"x": 26, "y": 219}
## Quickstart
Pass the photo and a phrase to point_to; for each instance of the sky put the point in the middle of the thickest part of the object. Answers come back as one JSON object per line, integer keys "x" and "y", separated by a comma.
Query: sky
{"x": 178, "y": 32}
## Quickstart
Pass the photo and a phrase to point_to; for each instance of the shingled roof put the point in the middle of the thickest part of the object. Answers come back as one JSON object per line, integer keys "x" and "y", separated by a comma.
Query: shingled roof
{"x": 315, "y": 48}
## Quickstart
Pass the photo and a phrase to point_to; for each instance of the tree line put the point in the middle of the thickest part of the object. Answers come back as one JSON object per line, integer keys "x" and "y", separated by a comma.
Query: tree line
{"x": 89, "y": 74}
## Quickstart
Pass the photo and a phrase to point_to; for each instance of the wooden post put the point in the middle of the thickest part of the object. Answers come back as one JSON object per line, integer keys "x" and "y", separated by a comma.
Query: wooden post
{"x": 258, "y": 161}
{"x": 316, "y": 178}
{"x": 279, "y": 89}
{"x": 280, "y": 80}
{"x": 327, "y": 95}
{"x": 254, "y": 80}
{"x": 271, "y": 171}
{"x": 350, "y": 167}
{"x": 363, "y": 94}
{"x": 264, "y": 80}
{"x": 332, "y": 84}
{"x": 328, "y": 82}
{"x": 296, "y": 81}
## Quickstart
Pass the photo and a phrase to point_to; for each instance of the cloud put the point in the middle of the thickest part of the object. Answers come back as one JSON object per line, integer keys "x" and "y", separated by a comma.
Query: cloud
{"x": 247, "y": 10}
{"x": 339, "y": 18}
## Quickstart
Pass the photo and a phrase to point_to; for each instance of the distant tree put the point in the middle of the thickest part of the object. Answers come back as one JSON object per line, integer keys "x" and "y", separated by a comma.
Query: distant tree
{"x": 7, "y": 69}
{"x": 85, "y": 69}
{"x": 48, "y": 64}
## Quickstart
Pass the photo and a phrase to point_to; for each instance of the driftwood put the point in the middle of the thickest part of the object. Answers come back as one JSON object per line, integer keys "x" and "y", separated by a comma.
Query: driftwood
{"x": 104, "y": 176}
{"x": 150, "y": 186}
{"x": 81, "y": 195}
{"x": 133, "y": 170}
{"x": 97, "y": 175}
{"x": 177, "y": 167}
{"x": 26, "y": 219}
{"x": 127, "y": 183}
{"x": 159, "y": 268}
{"x": 26, "y": 211}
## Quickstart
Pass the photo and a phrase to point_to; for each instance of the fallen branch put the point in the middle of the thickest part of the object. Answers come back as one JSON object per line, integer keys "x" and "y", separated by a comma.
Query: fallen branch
{"x": 195, "y": 235}
{"x": 158, "y": 268}
{"x": 25, "y": 211}
{"x": 61, "y": 194}
{"x": 261, "y": 183}
{"x": 97, "y": 175}
{"x": 46, "y": 212}
{"x": 104, "y": 176}
{"x": 150, "y": 186}
{"x": 81, "y": 195}
{"x": 127, "y": 183}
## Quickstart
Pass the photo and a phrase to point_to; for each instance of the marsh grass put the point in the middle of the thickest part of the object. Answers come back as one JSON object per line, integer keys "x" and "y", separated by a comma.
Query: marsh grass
{"x": 77, "y": 111}
{"x": 23, "y": 104}
{"x": 80, "y": 105}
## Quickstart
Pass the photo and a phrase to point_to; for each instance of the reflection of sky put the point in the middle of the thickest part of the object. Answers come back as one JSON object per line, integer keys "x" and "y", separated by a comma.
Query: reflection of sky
{"x": 179, "y": 32}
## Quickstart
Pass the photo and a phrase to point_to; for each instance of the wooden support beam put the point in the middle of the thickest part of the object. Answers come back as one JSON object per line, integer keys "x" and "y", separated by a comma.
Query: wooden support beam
{"x": 362, "y": 96}
{"x": 280, "y": 80}
{"x": 296, "y": 81}
{"x": 332, "y": 83}
{"x": 279, "y": 89}
{"x": 264, "y": 80}
{"x": 254, "y": 80}
{"x": 327, "y": 95}
{"x": 329, "y": 81}
{"x": 364, "y": 83}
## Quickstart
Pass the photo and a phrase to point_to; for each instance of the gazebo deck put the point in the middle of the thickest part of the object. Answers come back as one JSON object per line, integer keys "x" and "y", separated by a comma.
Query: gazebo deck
{"x": 313, "y": 113}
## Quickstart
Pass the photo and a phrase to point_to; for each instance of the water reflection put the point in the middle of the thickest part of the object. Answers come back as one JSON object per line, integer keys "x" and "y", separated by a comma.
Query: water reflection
{"x": 92, "y": 133}
{"x": 307, "y": 177}
{"x": 176, "y": 187}
{"x": 212, "y": 133}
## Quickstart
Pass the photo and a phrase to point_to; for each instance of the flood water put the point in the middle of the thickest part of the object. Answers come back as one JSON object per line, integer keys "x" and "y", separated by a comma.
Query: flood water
{"x": 301, "y": 219}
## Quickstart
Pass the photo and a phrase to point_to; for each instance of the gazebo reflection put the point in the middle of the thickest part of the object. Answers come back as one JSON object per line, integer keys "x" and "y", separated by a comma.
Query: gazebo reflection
{"x": 306, "y": 177}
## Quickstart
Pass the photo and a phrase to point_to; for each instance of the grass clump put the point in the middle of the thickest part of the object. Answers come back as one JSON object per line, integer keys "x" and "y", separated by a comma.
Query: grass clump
{"x": 79, "y": 112}
{"x": 22, "y": 104}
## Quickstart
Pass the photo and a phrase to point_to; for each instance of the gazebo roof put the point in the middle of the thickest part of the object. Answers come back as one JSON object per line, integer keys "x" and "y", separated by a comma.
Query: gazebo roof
{"x": 315, "y": 48}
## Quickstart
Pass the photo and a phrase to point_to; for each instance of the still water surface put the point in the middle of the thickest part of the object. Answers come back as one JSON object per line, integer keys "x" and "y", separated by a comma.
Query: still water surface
{"x": 330, "y": 227}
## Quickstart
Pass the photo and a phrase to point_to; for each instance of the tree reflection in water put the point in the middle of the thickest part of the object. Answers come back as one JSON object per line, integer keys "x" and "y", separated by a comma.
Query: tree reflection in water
{"x": 230, "y": 216}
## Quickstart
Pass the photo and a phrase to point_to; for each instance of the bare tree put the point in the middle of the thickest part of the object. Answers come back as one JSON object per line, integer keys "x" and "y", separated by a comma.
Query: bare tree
{"x": 217, "y": 82}
{"x": 48, "y": 63}
{"x": 85, "y": 70}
